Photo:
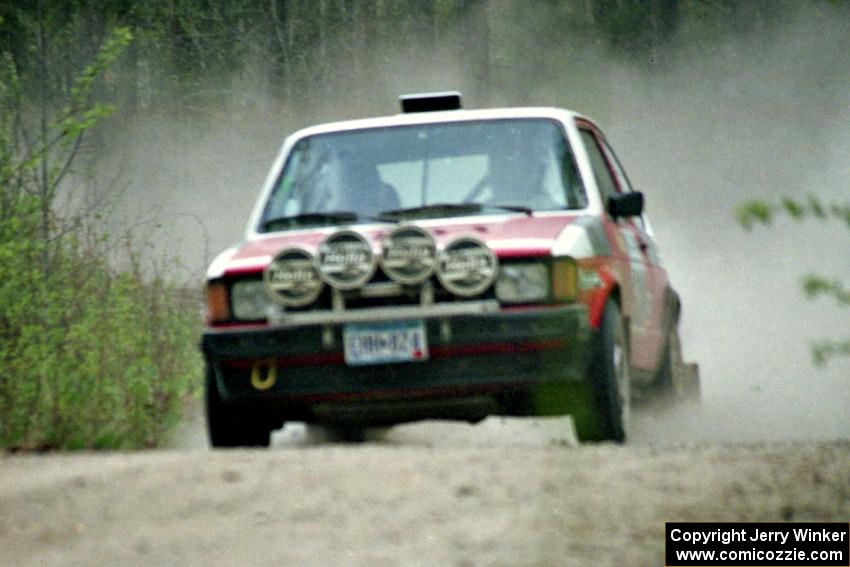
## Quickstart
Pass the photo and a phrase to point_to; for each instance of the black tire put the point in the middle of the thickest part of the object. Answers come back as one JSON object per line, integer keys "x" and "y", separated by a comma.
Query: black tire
{"x": 228, "y": 427}
{"x": 677, "y": 380}
{"x": 610, "y": 379}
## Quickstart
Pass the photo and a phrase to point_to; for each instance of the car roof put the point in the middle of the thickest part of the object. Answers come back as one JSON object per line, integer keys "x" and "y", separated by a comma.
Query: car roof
{"x": 436, "y": 117}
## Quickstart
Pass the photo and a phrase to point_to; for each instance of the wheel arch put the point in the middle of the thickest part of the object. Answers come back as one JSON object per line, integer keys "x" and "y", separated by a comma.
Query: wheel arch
{"x": 610, "y": 289}
{"x": 613, "y": 292}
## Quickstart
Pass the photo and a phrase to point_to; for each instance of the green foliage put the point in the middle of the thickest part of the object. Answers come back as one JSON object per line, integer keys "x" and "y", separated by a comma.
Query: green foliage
{"x": 815, "y": 286}
{"x": 90, "y": 356}
{"x": 84, "y": 83}
{"x": 761, "y": 212}
{"x": 822, "y": 351}
{"x": 54, "y": 146}
{"x": 756, "y": 212}
{"x": 9, "y": 100}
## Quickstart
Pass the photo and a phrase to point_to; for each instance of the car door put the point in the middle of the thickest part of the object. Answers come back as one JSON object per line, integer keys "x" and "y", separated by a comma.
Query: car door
{"x": 657, "y": 282}
{"x": 644, "y": 280}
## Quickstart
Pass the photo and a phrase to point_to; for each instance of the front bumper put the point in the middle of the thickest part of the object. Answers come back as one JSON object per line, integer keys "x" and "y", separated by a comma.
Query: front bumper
{"x": 476, "y": 349}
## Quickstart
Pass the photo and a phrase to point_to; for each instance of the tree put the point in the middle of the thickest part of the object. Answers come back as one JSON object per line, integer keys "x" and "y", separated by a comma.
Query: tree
{"x": 637, "y": 27}
{"x": 81, "y": 364}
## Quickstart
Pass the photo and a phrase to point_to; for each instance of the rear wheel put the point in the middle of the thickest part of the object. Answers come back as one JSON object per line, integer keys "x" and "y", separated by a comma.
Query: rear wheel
{"x": 610, "y": 379}
{"x": 230, "y": 427}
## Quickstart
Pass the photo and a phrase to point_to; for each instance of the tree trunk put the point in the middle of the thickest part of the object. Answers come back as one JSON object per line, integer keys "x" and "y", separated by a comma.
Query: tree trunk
{"x": 44, "y": 170}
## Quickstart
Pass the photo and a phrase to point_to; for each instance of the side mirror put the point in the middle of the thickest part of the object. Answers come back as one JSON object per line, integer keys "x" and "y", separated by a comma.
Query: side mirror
{"x": 626, "y": 205}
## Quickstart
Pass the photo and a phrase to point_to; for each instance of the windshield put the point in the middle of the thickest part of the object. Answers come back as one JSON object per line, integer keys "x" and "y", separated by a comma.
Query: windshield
{"x": 488, "y": 165}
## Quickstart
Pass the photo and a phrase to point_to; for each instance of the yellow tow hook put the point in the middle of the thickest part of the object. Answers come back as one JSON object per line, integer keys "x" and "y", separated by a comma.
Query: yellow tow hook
{"x": 257, "y": 380}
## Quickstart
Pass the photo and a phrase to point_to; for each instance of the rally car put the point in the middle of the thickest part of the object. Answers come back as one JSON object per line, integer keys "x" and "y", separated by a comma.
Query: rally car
{"x": 441, "y": 264}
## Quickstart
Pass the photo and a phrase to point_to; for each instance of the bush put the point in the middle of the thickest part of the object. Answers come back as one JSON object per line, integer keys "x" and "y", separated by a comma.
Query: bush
{"x": 91, "y": 357}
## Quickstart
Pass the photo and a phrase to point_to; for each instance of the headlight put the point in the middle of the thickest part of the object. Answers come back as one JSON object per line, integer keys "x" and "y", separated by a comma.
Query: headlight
{"x": 523, "y": 283}
{"x": 552, "y": 281}
{"x": 250, "y": 300}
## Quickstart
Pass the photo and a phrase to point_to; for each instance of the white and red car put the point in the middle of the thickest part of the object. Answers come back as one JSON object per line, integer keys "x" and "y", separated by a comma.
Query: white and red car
{"x": 441, "y": 263}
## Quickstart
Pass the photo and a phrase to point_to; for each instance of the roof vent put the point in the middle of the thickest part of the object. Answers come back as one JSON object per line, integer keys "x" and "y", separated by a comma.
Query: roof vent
{"x": 430, "y": 102}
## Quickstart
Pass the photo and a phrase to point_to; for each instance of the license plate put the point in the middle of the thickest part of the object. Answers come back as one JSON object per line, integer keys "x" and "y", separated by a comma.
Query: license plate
{"x": 386, "y": 342}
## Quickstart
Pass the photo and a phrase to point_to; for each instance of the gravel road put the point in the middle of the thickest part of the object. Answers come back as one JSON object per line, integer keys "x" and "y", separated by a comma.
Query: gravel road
{"x": 504, "y": 492}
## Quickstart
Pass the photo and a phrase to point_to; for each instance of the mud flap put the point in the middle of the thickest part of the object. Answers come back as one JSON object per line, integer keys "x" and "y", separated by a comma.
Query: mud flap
{"x": 589, "y": 424}
{"x": 576, "y": 400}
{"x": 688, "y": 387}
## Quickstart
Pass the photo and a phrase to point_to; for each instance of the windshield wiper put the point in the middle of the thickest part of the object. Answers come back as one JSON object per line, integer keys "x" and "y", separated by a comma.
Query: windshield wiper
{"x": 450, "y": 208}
{"x": 310, "y": 218}
{"x": 433, "y": 208}
{"x": 514, "y": 208}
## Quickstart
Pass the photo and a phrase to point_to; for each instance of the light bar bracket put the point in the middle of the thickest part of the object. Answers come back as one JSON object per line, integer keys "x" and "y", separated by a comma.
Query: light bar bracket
{"x": 430, "y": 102}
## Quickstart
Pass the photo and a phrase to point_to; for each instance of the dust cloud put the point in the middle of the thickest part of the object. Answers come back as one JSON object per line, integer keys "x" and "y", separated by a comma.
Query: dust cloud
{"x": 755, "y": 116}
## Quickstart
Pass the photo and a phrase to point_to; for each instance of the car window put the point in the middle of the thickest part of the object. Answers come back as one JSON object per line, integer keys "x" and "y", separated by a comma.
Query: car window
{"x": 519, "y": 162}
{"x": 606, "y": 183}
{"x": 444, "y": 177}
{"x": 623, "y": 181}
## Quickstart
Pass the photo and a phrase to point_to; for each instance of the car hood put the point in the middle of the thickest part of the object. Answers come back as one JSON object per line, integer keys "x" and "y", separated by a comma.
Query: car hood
{"x": 512, "y": 237}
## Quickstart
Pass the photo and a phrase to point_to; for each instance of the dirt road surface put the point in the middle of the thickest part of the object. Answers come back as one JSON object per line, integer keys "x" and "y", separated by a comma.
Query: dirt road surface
{"x": 504, "y": 492}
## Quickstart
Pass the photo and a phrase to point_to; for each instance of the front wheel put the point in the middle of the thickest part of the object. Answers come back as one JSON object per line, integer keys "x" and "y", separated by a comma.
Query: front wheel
{"x": 229, "y": 427}
{"x": 610, "y": 380}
